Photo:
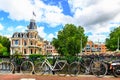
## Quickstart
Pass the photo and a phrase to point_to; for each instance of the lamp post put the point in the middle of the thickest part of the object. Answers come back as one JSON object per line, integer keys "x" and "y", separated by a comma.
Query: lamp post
{"x": 118, "y": 45}
{"x": 81, "y": 46}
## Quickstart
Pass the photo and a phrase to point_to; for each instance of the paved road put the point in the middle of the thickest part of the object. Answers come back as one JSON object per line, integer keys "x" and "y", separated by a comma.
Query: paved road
{"x": 52, "y": 77}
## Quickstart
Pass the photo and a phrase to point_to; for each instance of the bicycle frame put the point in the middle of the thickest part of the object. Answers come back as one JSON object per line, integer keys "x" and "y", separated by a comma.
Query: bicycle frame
{"x": 48, "y": 63}
{"x": 53, "y": 68}
{"x": 86, "y": 67}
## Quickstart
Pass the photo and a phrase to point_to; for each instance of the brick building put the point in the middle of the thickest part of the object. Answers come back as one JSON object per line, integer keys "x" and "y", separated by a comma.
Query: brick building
{"x": 94, "y": 48}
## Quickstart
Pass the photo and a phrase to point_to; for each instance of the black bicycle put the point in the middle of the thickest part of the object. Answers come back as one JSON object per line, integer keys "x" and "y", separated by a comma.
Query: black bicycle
{"x": 87, "y": 65}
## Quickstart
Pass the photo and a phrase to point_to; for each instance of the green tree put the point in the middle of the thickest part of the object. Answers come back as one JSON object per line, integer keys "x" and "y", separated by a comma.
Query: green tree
{"x": 68, "y": 41}
{"x": 5, "y": 42}
{"x": 112, "y": 41}
{"x": 3, "y": 50}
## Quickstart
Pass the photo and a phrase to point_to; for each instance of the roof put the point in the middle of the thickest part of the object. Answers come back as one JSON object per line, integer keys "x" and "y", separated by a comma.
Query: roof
{"x": 32, "y": 25}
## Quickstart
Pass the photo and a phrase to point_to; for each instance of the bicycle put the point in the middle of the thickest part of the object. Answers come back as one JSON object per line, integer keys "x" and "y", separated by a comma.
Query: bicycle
{"x": 87, "y": 66}
{"x": 60, "y": 67}
{"x": 27, "y": 66}
{"x": 6, "y": 67}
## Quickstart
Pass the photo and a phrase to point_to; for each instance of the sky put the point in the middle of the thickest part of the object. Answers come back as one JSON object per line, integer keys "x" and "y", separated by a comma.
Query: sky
{"x": 97, "y": 17}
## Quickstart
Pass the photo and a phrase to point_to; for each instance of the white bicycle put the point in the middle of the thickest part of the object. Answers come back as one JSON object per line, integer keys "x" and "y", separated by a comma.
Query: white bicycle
{"x": 60, "y": 67}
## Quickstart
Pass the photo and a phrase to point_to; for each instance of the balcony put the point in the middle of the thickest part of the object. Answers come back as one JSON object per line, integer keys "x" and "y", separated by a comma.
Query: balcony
{"x": 15, "y": 46}
{"x": 33, "y": 46}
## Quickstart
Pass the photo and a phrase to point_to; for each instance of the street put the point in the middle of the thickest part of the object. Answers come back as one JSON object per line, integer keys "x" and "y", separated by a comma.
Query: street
{"x": 52, "y": 77}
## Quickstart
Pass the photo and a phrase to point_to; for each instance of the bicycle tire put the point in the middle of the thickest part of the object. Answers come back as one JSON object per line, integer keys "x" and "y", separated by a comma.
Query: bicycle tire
{"x": 42, "y": 68}
{"x": 38, "y": 68}
{"x": 6, "y": 67}
{"x": 64, "y": 69}
{"x": 27, "y": 67}
{"x": 116, "y": 71}
{"x": 74, "y": 69}
{"x": 82, "y": 69}
{"x": 99, "y": 69}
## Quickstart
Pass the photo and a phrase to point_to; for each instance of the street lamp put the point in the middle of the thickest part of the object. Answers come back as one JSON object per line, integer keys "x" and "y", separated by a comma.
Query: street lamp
{"x": 118, "y": 45}
{"x": 81, "y": 46}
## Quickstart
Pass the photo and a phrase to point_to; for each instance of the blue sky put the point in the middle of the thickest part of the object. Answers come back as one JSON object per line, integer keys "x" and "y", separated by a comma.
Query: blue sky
{"x": 98, "y": 17}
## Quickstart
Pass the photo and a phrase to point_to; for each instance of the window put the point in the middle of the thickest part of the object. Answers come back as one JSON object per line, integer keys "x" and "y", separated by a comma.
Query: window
{"x": 31, "y": 36}
{"x": 24, "y": 51}
{"x": 35, "y": 50}
{"x": 16, "y": 42}
{"x": 92, "y": 45}
{"x": 31, "y": 51}
{"x": 25, "y": 43}
{"x": 31, "y": 43}
{"x": 24, "y": 36}
{"x": 88, "y": 46}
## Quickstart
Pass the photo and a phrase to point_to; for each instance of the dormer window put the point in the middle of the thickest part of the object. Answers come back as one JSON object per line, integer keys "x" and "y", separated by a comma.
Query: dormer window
{"x": 24, "y": 35}
{"x": 15, "y": 35}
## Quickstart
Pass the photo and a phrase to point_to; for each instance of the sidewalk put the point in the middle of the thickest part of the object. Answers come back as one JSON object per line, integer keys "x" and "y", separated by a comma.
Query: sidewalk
{"x": 52, "y": 77}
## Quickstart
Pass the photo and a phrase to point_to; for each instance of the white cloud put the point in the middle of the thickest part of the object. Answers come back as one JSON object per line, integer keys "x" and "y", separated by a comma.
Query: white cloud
{"x": 41, "y": 32}
{"x": 21, "y": 28}
{"x": 17, "y": 9}
{"x": 1, "y": 27}
{"x": 10, "y": 29}
{"x": 95, "y": 15}
{"x": 44, "y": 13}
{"x": 50, "y": 37}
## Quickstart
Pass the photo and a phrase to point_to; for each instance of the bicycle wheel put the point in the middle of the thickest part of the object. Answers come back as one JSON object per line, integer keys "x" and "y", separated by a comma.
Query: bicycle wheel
{"x": 74, "y": 69}
{"x": 63, "y": 71}
{"x": 6, "y": 67}
{"x": 83, "y": 69}
{"x": 38, "y": 68}
{"x": 27, "y": 67}
{"x": 42, "y": 68}
{"x": 99, "y": 69}
{"x": 116, "y": 71}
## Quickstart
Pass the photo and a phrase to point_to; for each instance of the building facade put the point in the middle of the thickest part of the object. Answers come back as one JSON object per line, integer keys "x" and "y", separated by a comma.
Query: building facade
{"x": 28, "y": 42}
{"x": 50, "y": 49}
{"x": 94, "y": 48}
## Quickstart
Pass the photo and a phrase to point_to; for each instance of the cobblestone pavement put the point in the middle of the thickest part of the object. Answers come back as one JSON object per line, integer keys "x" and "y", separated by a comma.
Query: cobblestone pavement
{"x": 52, "y": 77}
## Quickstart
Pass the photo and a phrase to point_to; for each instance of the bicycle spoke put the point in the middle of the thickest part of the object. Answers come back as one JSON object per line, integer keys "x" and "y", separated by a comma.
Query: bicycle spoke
{"x": 99, "y": 69}
{"x": 74, "y": 69}
{"x": 6, "y": 67}
{"x": 64, "y": 69}
{"x": 26, "y": 67}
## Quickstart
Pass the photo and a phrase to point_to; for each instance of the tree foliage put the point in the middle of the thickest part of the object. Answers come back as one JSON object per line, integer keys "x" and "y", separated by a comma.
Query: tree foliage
{"x": 3, "y": 50}
{"x": 68, "y": 41}
{"x": 112, "y": 41}
{"x": 5, "y": 46}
